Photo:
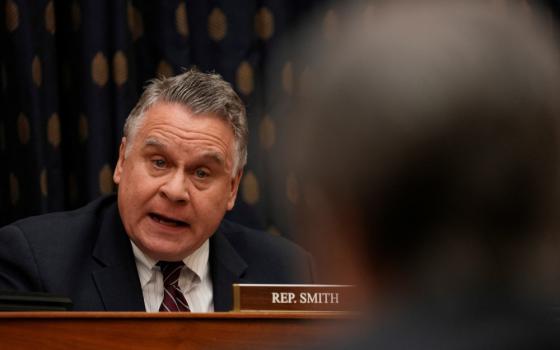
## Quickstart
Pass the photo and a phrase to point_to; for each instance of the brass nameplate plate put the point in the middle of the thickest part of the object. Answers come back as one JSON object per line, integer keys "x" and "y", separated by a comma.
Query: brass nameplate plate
{"x": 293, "y": 297}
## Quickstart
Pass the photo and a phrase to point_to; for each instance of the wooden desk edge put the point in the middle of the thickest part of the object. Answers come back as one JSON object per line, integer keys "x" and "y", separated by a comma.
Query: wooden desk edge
{"x": 176, "y": 315}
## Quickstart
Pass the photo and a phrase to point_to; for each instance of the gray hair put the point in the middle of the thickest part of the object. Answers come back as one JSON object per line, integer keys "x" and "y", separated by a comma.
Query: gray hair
{"x": 202, "y": 93}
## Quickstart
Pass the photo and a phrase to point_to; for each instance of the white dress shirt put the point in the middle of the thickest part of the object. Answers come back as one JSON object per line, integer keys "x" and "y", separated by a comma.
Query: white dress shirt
{"x": 194, "y": 281}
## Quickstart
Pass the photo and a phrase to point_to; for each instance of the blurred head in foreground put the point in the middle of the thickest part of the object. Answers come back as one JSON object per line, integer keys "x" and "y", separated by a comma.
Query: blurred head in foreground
{"x": 432, "y": 152}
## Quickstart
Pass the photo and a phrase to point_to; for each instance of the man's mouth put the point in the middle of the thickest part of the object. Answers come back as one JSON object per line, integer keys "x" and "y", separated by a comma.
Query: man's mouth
{"x": 167, "y": 221}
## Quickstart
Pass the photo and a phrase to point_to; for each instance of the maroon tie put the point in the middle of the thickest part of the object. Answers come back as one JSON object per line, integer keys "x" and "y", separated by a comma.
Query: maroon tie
{"x": 173, "y": 298}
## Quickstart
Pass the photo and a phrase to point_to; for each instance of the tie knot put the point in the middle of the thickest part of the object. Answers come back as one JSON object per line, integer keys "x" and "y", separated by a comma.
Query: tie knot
{"x": 171, "y": 271}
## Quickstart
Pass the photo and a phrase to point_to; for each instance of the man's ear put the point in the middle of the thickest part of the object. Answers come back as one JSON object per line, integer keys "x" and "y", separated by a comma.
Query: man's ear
{"x": 234, "y": 188}
{"x": 119, "y": 167}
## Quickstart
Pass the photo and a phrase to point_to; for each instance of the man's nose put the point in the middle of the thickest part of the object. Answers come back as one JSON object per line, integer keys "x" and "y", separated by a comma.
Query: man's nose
{"x": 176, "y": 188}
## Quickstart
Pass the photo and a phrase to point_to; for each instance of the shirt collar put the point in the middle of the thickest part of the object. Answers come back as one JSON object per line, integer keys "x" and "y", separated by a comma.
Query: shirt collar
{"x": 197, "y": 262}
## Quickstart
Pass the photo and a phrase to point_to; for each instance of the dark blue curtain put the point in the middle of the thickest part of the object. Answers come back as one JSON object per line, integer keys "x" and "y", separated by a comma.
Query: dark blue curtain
{"x": 70, "y": 71}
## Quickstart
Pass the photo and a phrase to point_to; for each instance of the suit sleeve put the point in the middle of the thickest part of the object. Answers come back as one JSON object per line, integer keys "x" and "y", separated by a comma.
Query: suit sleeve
{"x": 18, "y": 267}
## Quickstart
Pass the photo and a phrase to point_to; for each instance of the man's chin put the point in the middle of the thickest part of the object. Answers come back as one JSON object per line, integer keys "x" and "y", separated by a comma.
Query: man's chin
{"x": 167, "y": 255}
{"x": 163, "y": 249}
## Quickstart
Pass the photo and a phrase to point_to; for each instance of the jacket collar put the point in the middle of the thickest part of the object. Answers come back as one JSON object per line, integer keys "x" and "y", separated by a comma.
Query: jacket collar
{"x": 117, "y": 278}
{"x": 227, "y": 267}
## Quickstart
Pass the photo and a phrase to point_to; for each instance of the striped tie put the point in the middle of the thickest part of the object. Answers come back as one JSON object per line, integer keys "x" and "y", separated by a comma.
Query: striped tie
{"x": 173, "y": 298}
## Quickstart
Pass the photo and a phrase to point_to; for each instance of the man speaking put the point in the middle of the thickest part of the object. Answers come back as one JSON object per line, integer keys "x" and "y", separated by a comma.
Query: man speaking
{"x": 161, "y": 244}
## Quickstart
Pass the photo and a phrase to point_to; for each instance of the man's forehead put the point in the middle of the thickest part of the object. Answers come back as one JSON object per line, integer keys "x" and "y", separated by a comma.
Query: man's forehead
{"x": 154, "y": 141}
{"x": 199, "y": 152}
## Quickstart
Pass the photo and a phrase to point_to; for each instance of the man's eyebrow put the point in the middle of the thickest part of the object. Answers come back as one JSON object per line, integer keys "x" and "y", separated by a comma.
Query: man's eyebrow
{"x": 210, "y": 155}
{"x": 213, "y": 156}
{"x": 152, "y": 141}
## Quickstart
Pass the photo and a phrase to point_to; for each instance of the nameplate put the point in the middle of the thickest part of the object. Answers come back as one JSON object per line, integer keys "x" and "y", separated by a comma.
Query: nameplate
{"x": 293, "y": 297}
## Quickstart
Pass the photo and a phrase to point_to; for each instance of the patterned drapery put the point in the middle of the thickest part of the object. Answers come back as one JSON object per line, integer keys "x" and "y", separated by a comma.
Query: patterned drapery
{"x": 70, "y": 71}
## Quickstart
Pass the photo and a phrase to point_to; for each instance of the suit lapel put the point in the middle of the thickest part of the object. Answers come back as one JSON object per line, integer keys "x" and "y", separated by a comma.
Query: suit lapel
{"x": 227, "y": 267}
{"x": 117, "y": 278}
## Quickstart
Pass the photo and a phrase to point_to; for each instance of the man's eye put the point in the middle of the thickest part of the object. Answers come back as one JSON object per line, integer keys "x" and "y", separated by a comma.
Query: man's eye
{"x": 200, "y": 173}
{"x": 159, "y": 163}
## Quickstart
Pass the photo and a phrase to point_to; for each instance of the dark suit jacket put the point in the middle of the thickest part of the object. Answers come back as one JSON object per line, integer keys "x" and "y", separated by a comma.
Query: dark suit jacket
{"x": 86, "y": 254}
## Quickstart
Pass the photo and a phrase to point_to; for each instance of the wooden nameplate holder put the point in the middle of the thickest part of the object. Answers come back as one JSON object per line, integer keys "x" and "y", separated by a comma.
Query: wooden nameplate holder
{"x": 293, "y": 297}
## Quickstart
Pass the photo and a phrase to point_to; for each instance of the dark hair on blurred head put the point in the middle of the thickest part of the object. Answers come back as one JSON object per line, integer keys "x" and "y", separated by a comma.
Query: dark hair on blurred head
{"x": 438, "y": 121}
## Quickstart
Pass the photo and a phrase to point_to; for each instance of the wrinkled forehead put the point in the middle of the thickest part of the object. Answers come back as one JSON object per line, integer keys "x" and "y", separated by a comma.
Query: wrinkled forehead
{"x": 143, "y": 122}
{"x": 208, "y": 154}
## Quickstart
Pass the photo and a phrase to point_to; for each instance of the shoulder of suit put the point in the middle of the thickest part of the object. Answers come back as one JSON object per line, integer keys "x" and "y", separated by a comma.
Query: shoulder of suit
{"x": 70, "y": 220}
{"x": 243, "y": 237}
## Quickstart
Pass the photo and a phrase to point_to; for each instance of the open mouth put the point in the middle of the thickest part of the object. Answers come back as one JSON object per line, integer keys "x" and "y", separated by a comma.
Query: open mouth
{"x": 167, "y": 221}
